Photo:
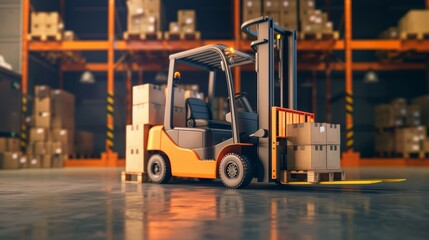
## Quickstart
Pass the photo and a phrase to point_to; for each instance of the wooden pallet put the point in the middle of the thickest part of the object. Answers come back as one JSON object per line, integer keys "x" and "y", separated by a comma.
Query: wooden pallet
{"x": 45, "y": 37}
{"x": 133, "y": 177}
{"x": 413, "y": 36}
{"x": 142, "y": 36}
{"x": 182, "y": 36}
{"x": 313, "y": 176}
{"x": 386, "y": 154}
{"x": 319, "y": 35}
{"x": 409, "y": 155}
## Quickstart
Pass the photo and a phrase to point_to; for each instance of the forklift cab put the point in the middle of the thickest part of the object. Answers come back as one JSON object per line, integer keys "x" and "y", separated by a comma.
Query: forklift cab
{"x": 202, "y": 133}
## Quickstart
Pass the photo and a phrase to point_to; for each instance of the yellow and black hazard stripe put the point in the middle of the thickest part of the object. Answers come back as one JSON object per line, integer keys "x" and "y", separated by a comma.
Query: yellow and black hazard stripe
{"x": 349, "y": 121}
{"x": 24, "y": 128}
{"x": 110, "y": 123}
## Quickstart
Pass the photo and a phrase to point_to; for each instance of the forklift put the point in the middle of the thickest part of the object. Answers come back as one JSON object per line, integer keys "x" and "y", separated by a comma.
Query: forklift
{"x": 249, "y": 144}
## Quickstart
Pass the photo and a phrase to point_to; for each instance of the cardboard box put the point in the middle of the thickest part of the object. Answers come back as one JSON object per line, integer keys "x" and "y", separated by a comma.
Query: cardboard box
{"x": 39, "y": 134}
{"x": 173, "y": 27}
{"x": 63, "y": 109}
{"x": 84, "y": 142}
{"x": 148, "y": 113}
{"x": 423, "y": 103}
{"x": 42, "y": 91}
{"x": 9, "y": 160}
{"x": 41, "y": 148}
{"x": 415, "y": 21}
{"x": 42, "y": 104}
{"x": 53, "y": 23}
{"x": 333, "y": 134}
{"x": 410, "y": 139}
{"x": 186, "y": 17}
{"x": 306, "y": 134}
{"x": 43, "y": 119}
{"x": 55, "y": 148}
{"x": 135, "y": 7}
{"x": 33, "y": 161}
{"x": 179, "y": 97}
{"x": 306, "y": 157}
{"x": 413, "y": 116}
{"x": 37, "y": 23}
{"x": 148, "y": 93}
{"x": 69, "y": 35}
{"x": 193, "y": 94}
{"x": 13, "y": 145}
{"x": 3, "y": 144}
{"x": 46, "y": 161}
{"x": 333, "y": 155}
{"x": 288, "y": 5}
{"x": 306, "y": 6}
{"x": 66, "y": 137}
{"x": 271, "y": 5}
{"x": 251, "y": 4}
{"x": 135, "y": 144}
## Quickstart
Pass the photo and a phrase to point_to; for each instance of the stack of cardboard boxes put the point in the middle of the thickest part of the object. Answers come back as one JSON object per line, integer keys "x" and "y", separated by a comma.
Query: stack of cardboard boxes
{"x": 45, "y": 25}
{"x": 284, "y": 12}
{"x": 314, "y": 21}
{"x": 144, "y": 18}
{"x": 313, "y": 146}
{"x": 185, "y": 27}
{"x": 149, "y": 109}
{"x": 51, "y": 137}
{"x": 10, "y": 153}
{"x": 399, "y": 128}
{"x": 414, "y": 23}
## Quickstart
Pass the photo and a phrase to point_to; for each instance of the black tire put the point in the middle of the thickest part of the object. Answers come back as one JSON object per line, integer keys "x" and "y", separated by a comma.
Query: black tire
{"x": 236, "y": 170}
{"x": 158, "y": 169}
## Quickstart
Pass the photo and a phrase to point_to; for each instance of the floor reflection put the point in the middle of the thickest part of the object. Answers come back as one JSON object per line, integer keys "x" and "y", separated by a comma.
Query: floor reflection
{"x": 94, "y": 204}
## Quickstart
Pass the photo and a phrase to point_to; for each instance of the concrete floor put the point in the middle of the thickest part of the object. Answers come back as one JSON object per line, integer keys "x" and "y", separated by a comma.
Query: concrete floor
{"x": 93, "y": 204}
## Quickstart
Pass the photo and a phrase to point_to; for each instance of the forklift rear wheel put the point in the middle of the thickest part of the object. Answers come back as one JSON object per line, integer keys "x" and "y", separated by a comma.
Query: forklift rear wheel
{"x": 236, "y": 170}
{"x": 158, "y": 169}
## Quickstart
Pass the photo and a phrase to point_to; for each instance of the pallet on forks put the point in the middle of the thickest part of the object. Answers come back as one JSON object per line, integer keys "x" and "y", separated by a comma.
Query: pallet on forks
{"x": 133, "y": 177}
{"x": 142, "y": 36}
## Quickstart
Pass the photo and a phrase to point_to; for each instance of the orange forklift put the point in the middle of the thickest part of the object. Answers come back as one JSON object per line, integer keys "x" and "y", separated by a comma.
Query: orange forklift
{"x": 248, "y": 144}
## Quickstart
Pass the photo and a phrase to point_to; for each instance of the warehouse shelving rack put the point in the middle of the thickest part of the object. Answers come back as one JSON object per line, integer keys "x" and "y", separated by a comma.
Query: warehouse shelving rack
{"x": 348, "y": 45}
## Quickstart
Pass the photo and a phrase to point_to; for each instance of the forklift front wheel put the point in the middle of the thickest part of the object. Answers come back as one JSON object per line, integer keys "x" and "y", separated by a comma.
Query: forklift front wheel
{"x": 236, "y": 170}
{"x": 158, "y": 169}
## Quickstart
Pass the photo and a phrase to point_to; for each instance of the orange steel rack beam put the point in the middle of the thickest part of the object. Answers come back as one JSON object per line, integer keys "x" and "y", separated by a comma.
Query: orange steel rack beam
{"x": 357, "y": 66}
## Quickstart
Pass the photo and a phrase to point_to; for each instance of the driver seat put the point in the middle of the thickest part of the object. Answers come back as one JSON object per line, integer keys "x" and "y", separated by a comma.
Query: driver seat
{"x": 198, "y": 115}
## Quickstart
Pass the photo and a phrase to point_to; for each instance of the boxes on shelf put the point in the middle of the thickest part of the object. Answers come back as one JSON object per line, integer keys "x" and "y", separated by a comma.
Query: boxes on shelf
{"x": 10, "y": 160}
{"x": 46, "y": 23}
{"x": 423, "y": 103}
{"x": 305, "y": 6}
{"x": 144, "y": 16}
{"x": 271, "y": 5}
{"x": 39, "y": 134}
{"x": 410, "y": 139}
{"x": 65, "y": 137}
{"x": 307, "y": 134}
{"x": 186, "y": 20}
{"x": 415, "y": 21}
{"x": 413, "y": 117}
{"x": 9, "y": 144}
{"x": 306, "y": 157}
{"x": 63, "y": 109}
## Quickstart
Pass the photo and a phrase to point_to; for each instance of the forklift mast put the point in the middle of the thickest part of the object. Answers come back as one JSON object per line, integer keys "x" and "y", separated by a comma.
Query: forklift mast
{"x": 270, "y": 37}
